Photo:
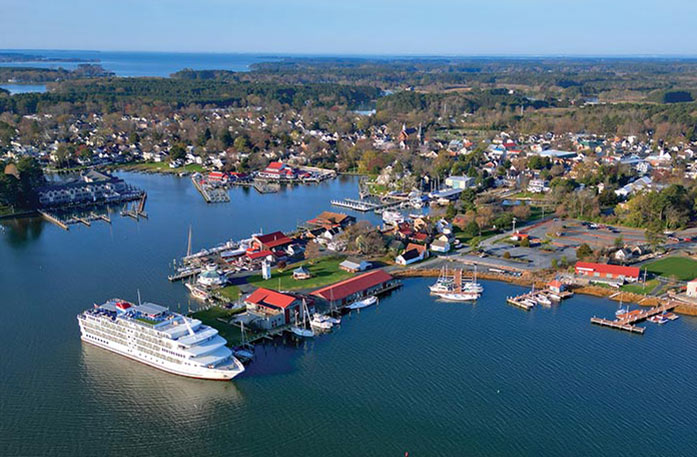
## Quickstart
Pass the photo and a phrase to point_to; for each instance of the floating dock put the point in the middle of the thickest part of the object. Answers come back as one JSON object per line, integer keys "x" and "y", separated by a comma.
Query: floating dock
{"x": 628, "y": 322}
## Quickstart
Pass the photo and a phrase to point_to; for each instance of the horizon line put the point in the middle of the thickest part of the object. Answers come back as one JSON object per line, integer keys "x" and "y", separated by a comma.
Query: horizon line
{"x": 372, "y": 55}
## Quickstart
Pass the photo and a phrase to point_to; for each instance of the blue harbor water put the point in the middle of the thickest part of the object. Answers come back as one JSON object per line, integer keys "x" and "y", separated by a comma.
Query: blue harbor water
{"x": 412, "y": 374}
{"x": 128, "y": 63}
{"x": 23, "y": 88}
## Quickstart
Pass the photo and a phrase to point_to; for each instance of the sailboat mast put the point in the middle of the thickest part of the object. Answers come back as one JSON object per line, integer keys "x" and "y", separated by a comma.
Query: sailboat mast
{"x": 188, "y": 246}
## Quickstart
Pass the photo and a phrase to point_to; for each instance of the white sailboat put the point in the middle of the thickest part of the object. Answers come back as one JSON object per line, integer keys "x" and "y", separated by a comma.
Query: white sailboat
{"x": 458, "y": 293}
{"x": 304, "y": 331}
{"x": 360, "y": 304}
{"x": 443, "y": 284}
{"x": 473, "y": 286}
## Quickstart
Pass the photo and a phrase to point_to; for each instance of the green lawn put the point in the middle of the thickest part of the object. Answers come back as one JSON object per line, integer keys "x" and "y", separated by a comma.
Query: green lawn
{"x": 210, "y": 317}
{"x": 231, "y": 293}
{"x": 324, "y": 271}
{"x": 639, "y": 288}
{"x": 682, "y": 268}
{"x": 163, "y": 167}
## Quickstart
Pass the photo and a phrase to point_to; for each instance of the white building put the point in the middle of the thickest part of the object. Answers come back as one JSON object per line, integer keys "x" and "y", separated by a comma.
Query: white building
{"x": 459, "y": 182}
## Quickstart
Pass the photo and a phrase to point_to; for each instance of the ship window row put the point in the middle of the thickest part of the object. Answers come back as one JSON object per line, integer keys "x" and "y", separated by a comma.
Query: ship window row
{"x": 158, "y": 355}
{"x": 96, "y": 329}
{"x": 173, "y": 353}
{"x": 94, "y": 338}
{"x": 109, "y": 337}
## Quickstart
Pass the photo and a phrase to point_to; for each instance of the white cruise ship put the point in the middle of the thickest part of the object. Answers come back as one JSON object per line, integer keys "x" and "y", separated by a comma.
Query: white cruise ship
{"x": 153, "y": 335}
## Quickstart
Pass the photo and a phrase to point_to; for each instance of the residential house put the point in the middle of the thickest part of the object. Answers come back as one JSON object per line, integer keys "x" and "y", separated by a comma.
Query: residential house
{"x": 354, "y": 265}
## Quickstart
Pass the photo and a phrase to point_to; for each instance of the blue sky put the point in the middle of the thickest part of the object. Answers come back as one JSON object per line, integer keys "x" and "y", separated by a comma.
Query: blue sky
{"x": 428, "y": 27}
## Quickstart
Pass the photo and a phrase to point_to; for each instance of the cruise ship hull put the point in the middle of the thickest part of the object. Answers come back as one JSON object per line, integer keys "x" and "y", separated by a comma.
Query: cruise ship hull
{"x": 154, "y": 336}
{"x": 207, "y": 374}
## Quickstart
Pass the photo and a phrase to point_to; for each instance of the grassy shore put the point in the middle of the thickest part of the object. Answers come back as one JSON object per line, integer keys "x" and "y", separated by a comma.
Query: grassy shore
{"x": 218, "y": 318}
{"x": 230, "y": 293}
{"x": 641, "y": 288}
{"x": 324, "y": 271}
{"x": 682, "y": 268}
{"x": 161, "y": 167}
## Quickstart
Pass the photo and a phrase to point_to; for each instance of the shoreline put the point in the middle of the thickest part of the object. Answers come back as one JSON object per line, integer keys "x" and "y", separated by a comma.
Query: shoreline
{"x": 525, "y": 280}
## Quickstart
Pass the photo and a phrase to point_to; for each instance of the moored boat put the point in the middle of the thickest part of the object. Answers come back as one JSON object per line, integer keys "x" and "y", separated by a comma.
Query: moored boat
{"x": 155, "y": 336}
{"x": 360, "y": 304}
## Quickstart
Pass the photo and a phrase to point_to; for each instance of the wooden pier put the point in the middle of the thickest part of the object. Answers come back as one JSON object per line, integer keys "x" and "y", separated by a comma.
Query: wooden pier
{"x": 627, "y": 323}
{"x": 54, "y": 220}
{"x": 184, "y": 274}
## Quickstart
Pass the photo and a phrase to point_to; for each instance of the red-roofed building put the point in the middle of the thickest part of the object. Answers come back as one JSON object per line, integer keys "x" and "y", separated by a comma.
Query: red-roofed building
{"x": 604, "y": 271}
{"x": 556, "y": 286}
{"x": 217, "y": 176}
{"x": 270, "y": 241}
{"x": 356, "y": 288}
{"x": 272, "y": 309}
{"x": 254, "y": 255}
{"x": 278, "y": 170}
{"x": 328, "y": 219}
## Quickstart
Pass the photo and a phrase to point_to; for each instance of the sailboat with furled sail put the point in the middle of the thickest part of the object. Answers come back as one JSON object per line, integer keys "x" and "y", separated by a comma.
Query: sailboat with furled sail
{"x": 303, "y": 329}
{"x": 458, "y": 293}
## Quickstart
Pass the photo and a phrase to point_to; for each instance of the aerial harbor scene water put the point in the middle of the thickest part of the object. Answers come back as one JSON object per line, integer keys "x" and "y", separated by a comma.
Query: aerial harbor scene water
{"x": 323, "y": 243}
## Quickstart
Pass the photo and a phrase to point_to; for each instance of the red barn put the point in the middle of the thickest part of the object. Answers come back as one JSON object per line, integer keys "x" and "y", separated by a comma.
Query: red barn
{"x": 349, "y": 290}
{"x": 604, "y": 271}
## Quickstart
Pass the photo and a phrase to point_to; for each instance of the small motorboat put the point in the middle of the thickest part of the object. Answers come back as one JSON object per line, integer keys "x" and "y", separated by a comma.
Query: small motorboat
{"x": 543, "y": 300}
{"x": 319, "y": 322}
{"x": 243, "y": 355}
{"x": 657, "y": 319}
{"x": 531, "y": 303}
{"x": 370, "y": 301}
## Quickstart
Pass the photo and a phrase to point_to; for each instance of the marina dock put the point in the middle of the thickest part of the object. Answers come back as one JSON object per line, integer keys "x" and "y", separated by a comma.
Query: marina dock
{"x": 528, "y": 300}
{"x": 627, "y": 323}
{"x": 366, "y": 205}
{"x": 210, "y": 194}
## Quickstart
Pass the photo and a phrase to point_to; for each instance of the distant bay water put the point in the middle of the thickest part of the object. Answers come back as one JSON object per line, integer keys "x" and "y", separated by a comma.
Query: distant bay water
{"x": 126, "y": 63}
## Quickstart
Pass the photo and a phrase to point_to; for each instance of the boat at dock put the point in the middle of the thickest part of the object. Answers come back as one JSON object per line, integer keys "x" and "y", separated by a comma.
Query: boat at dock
{"x": 197, "y": 291}
{"x": 657, "y": 319}
{"x": 320, "y": 322}
{"x": 459, "y": 291}
{"x": 392, "y": 217}
{"x": 303, "y": 330}
{"x": 444, "y": 283}
{"x": 542, "y": 299}
{"x": 155, "y": 336}
{"x": 366, "y": 302}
